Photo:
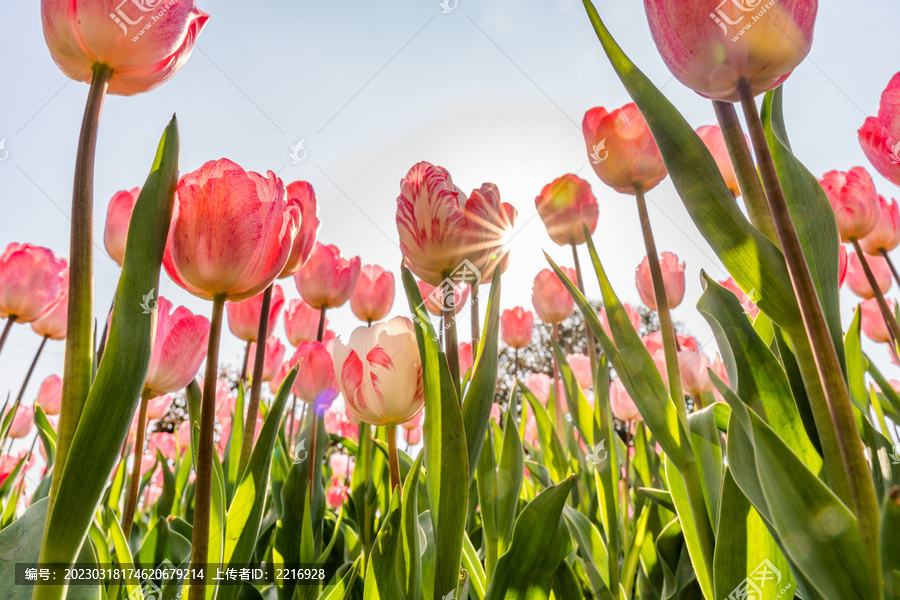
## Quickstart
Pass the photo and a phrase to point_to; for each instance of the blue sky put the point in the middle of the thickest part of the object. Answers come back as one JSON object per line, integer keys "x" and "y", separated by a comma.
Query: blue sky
{"x": 493, "y": 91}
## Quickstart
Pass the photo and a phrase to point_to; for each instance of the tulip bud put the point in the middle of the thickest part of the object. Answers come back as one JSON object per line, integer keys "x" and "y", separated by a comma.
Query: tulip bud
{"x": 566, "y": 206}
{"x": 49, "y": 396}
{"x": 118, "y": 217}
{"x": 327, "y": 279}
{"x": 179, "y": 346}
{"x": 243, "y": 316}
{"x": 315, "y": 383}
{"x": 550, "y": 298}
{"x": 301, "y": 322}
{"x": 856, "y": 276}
{"x": 872, "y": 320}
{"x": 581, "y": 368}
{"x": 373, "y": 295}
{"x": 854, "y": 201}
{"x": 694, "y": 378}
{"x": 715, "y": 143}
{"x": 886, "y": 235}
{"x": 22, "y": 422}
{"x": 337, "y": 493}
{"x": 412, "y": 436}
{"x": 880, "y": 136}
{"x": 32, "y": 280}
{"x": 274, "y": 359}
{"x": 623, "y": 407}
{"x": 516, "y": 327}
{"x": 673, "y": 280}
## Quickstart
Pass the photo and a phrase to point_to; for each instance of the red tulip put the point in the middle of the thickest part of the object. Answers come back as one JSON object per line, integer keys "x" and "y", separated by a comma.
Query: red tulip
{"x": 581, "y": 368}
{"x": 439, "y": 299}
{"x": 633, "y": 316}
{"x": 880, "y": 136}
{"x": 22, "y": 422}
{"x": 886, "y": 235}
{"x": 673, "y": 280}
{"x": 516, "y": 327}
{"x": 622, "y": 149}
{"x": 465, "y": 357}
{"x": 302, "y": 193}
{"x": 715, "y": 143}
{"x": 327, "y": 279}
{"x": 50, "y": 395}
{"x": 842, "y": 265}
{"x": 118, "y": 217}
{"x": 856, "y": 276}
{"x": 872, "y": 320}
{"x": 566, "y": 205}
{"x": 550, "y": 298}
{"x": 179, "y": 347}
{"x": 755, "y": 42}
{"x": 749, "y": 307}
{"x": 31, "y": 282}
{"x": 694, "y": 378}
{"x": 232, "y": 231}
{"x": 273, "y": 360}
{"x": 623, "y": 407}
{"x": 301, "y": 322}
{"x": 159, "y": 406}
{"x": 373, "y": 295}
{"x": 854, "y": 200}
{"x": 53, "y": 323}
{"x": 315, "y": 383}
{"x": 380, "y": 372}
{"x": 243, "y": 316}
{"x": 144, "y": 43}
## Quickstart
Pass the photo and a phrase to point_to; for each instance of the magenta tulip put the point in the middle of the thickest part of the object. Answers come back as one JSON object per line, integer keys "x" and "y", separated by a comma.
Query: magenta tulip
{"x": 243, "y": 316}
{"x": 673, "y": 280}
{"x": 566, "y": 205}
{"x": 327, "y": 279}
{"x": 373, "y": 295}
{"x": 550, "y": 298}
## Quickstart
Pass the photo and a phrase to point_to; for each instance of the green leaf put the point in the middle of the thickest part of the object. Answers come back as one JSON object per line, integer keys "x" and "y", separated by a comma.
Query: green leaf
{"x": 123, "y": 558}
{"x": 551, "y": 448}
{"x": 46, "y": 432}
{"x": 856, "y": 364}
{"x": 689, "y": 528}
{"x": 381, "y": 573}
{"x": 890, "y": 552}
{"x": 233, "y": 455}
{"x": 344, "y": 588}
{"x": 508, "y": 483}
{"x": 472, "y": 565}
{"x": 582, "y": 415}
{"x": 590, "y": 547}
{"x": 708, "y": 448}
{"x": 116, "y": 389}
{"x": 167, "y": 498}
{"x": 410, "y": 562}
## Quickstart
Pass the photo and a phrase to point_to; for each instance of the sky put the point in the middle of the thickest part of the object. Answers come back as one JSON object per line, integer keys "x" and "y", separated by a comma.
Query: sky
{"x": 493, "y": 91}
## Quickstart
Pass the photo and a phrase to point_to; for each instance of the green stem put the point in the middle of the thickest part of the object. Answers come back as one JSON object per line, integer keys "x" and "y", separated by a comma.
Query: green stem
{"x": 313, "y": 468}
{"x": 691, "y": 477}
{"x": 246, "y": 364}
{"x": 821, "y": 343}
{"x": 476, "y": 325}
{"x": 670, "y": 343}
{"x": 451, "y": 348}
{"x": 625, "y": 482}
{"x": 259, "y": 361}
{"x": 392, "y": 457}
{"x": 30, "y": 372}
{"x": 79, "y": 351}
{"x": 9, "y": 323}
{"x": 134, "y": 484}
{"x": 205, "y": 449}
{"x": 557, "y": 402}
{"x": 591, "y": 343}
{"x": 890, "y": 263}
{"x": 892, "y": 324}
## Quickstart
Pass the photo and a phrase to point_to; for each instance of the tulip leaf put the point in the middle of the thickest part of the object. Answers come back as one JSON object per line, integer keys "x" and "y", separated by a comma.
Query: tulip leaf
{"x": 232, "y": 457}
{"x": 890, "y": 552}
{"x": 472, "y": 565}
{"x": 510, "y": 473}
{"x": 590, "y": 547}
{"x": 115, "y": 391}
{"x": 551, "y": 448}
{"x": 410, "y": 558}
{"x": 343, "y": 589}
{"x": 46, "y": 432}
{"x": 856, "y": 363}
{"x": 708, "y": 449}
{"x": 381, "y": 573}
{"x": 124, "y": 559}
{"x": 582, "y": 415}
{"x": 606, "y": 473}
{"x": 689, "y": 527}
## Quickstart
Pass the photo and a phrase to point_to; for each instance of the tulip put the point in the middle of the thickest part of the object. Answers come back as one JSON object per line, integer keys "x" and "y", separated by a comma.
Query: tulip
{"x": 164, "y": 442}
{"x": 315, "y": 383}
{"x": 623, "y": 407}
{"x": 282, "y": 371}
{"x": 22, "y": 422}
{"x": 531, "y": 432}
{"x": 341, "y": 465}
{"x": 183, "y": 436}
{"x": 302, "y": 193}
{"x": 496, "y": 414}
{"x": 755, "y": 43}
{"x": 489, "y": 223}
{"x": 118, "y": 217}
{"x": 373, "y": 295}
{"x": 274, "y": 359}
{"x": 654, "y": 342}
{"x": 53, "y": 324}
{"x": 872, "y": 320}
{"x": 843, "y": 262}
{"x": 327, "y": 279}
{"x": 566, "y": 206}
{"x": 8, "y": 463}
{"x": 32, "y": 280}
{"x": 856, "y": 277}
{"x": 179, "y": 347}
{"x": 516, "y": 327}
{"x": 854, "y": 201}
{"x": 719, "y": 369}
{"x": 673, "y": 280}
{"x": 552, "y": 301}
{"x": 694, "y": 378}
{"x": 622, "y": 149}
{"x": 749, "y": 307}
{"x": 439, "y": 300}
{"x": 659, "y": 360}
{"x": 243, "y": 317}
{"x": 715, "y": 143}
{"x": 465, "y": 357}
{"x": 143, "y": 43}
{"x": 581, "y": 368}
{"x": 633, "y": 316}
{"x": 337, "y": 493}
{"x": 338, "y": 423}
{"x": 49, "y": 395}
{"x": 158, "y": 407}
{"x": 412, "y": 436}
{"x": 886, "y": 235}
{"x": 224, "y": 400}
{"x": 416, "y": 421}
{"x": 301, "y": 322}
{"x": 540, "y": 385}
{"x": 880, "y": 136}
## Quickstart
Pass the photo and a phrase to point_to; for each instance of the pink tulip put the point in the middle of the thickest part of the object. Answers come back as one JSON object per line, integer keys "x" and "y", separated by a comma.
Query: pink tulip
{"x": 273, "y": 361}
{"x": 540, "y": 385}
{"x": 516, "y": 327}
{"x": 761, "y": 44}
{"x": 22, "y": 422}
{"x": 337, "y": 423}
{"x": 854, "y": 201}
{"x": 654, "y": 342}
{"x": 416, "y": 421}
{"x": 566, "y": 205}
{"x": 183, "y": 436}
{"x": 496, "y": 415}
{"x": 164, "y": 442}
{"x": 8, "y": 463}
{"x": 531, "y": 432}
{"x": 550, "y": 298}
{"x": 843, "y": 262}
{"x": 715, "y": 143}
{"x": 301, "y": 322}
{"x": 623, "y": 407}
{"x": 880, "y": 136}
{"x": 581, "y": 368}
{"x": 118, "y": 217}
{"x": 673, "y": 280}
{"x": 465, "y": 357}
{"x": 337, "y": 493}
{"x": 302, "y": 193}
{"x": 856, "y": 276}
{"x": 232, "y": 231}
{"x": 412, "y": 436}
{"x": 32, "y": 280}
{"x": 49, "y": 396}
{"x": 179, "y": 348}
{"x": 315, "y": 383}
{"x": 279, "y": 376}
{"x": 225, "y": 400}
{"x": 622, "y": 149}
{"x": 53, "y": 324}
{"x": 159, "y": 406}
{"x": 373, "y": 296}
{"x": 144, "y": 43}
{"x": 749, "y": 307}
{"x": 633, "y": 316}
{"x": 341, "y": 465}
{"x": 694, "y": 378}
{"x": 719, "y": 369}
{"x": 872, "y": 320}
{"x": 380, "y": 372}
{"x": 489, "y": 223}
{"x": 886, "y": 235}
{"x": 327, "y": 279}
{"x": 243, "y": 316}
{"x": 659, "y": 360}
{"x": 439, "y": 299}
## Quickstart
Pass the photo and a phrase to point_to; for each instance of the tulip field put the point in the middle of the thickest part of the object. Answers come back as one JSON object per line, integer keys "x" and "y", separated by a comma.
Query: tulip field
{"x": 462, "y": 441}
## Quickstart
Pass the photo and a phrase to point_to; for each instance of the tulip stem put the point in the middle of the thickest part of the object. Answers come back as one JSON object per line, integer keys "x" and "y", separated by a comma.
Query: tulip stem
{"x": 79, "y": 353}
{"x": 591, "y": 343}
{"x": 321, "y": 332}
{"x": 134, "y": 484}
{"x": 9, "y": 323}
{"x": 392, "y": 457}
{"x": 205, "y": 449}
{"x": 30, "y": 372}
{"x": 259, "y": 361}
{"x": 822, "y": 346}
{"x": 290, "y": 431}
{"x": 313, "y": 468}
{"x": 744, "y": 169}
{"x": 670, "y": 342}
{"x": 557, "y": 402}
{"x": 893, "y": 326}
{"x": 245, "y": 366}
{"x": 698, "y": 402}
{"x": 451, "y": 348}
{"x": 476, "y": 326}
{"x": 626, "y": 481}
{"x": 890, "y": 263}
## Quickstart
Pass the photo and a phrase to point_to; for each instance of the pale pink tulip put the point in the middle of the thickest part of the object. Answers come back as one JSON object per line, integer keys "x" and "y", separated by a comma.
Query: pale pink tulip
{"x": 715, "y": 143}
{"x": 315, "y": 383}
{"x": 22, "y": 422}
{"x": 341, "y": 465}
{"x": 749, "y": 307}
{"x": 872, "y": 320}
{"x": 412, "y": 436}
{"x": 337, "y": 493}
{"x": 243, "y": 316}
{"x": 53, "y": 324}
{"x": 659, "y": 359}
{"x": 654, "y": 342}
{"x": 550, "y": 298}
{"x": 623, "y": 407}
{"x": 144, "y": 43}
{"x": 274, "y": 358}
{"x": 531, "y": 432}
{"x": 880, "y": 136}
{"x": 380, "y": 372}
{"x": 622, "y": 149}
{"x": 373, "y": 296}
{"x": 183, "y": 436}
{"x": 164, "y": 442}
{"x": 327, "y": 279}
{"x": 886, "y": 235}
{"x": 118, "y": 217}
{"x": 159, "y": 406}
{"x": 566, "y": 205}
{"x": 49, "y": 396}
{"x": 301, "y": 322}
{"x": 444, "y": 297}
{"x": 540, "y": 385}
{"x": 32, "y": 280}
{"x": 279, "y": 376}
{"x": 179, "y": 348}
{"x": 416, "y": 421}
{"x": 581, "y": 368}
{"x": 854, "y": 201}
{"x": 517, "y": 327}
{"x": 302, "y": 193}
{"x": 673, "y": 280}
{"x": 694, "y": 378}
{"x": 337, "y": 423}
{"x": 8, "y": 463}
{"x": 633, "y": 316}
{"x": 232, "y": 231}
{"x": 856, "y": 276}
